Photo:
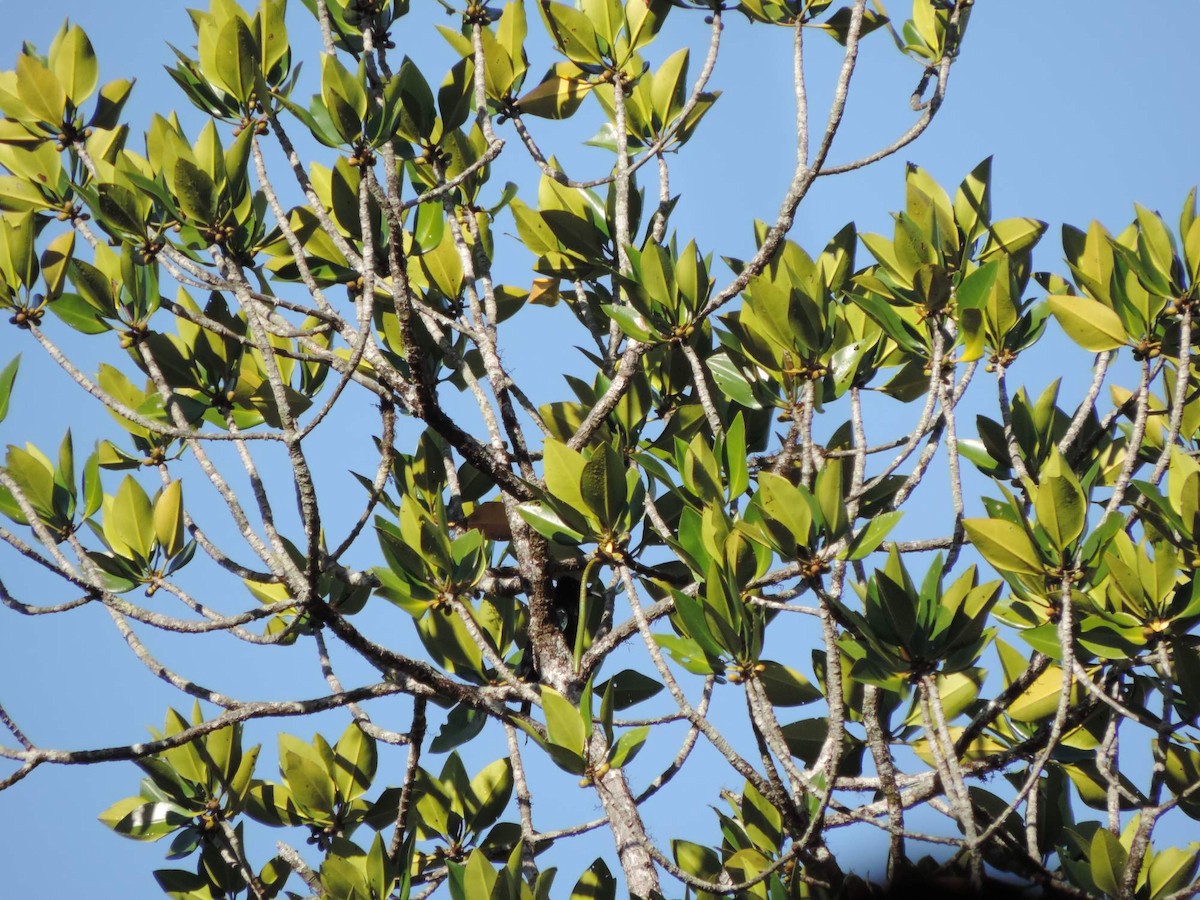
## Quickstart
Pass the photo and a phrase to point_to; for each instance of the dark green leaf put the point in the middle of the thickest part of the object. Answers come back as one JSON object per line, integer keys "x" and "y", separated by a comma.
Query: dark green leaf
{"x": 785, "y": 686}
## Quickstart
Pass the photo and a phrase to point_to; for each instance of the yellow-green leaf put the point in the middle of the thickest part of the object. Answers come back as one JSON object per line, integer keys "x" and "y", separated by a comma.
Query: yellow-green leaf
{"x": 129, "y": 521}
{"x": 73, "y": 62}
{"x": 196, "y": 192}
{"x": 135, "y": 818}
{"x": 1004, "y": 545}
{"x": 1011, "y": 236}
{"x": 558, "y": 95}
{"x": 168, "y": 518}
{"x": 597, "y": 883}
{"x": 563, "y": 721}
{"x": 1089, "y": 323}
{"x": 40, "y": 90}
{"x": 236, "y": 58}
{"x": 355, "y": 760}
{"x": 55, "y": 259}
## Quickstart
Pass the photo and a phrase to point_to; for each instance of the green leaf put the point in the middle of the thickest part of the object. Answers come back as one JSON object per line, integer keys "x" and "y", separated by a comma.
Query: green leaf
{"x": 1060, "y": 504}
{"x": 73, "y": 62}
{"x": 40, "y": 90}
{"x": 179, "y": 883}
{"x": 273, "y": 31}
{"x": 785, "y": 686}
{"x": 462, "y": 724}
{"x": 549, "y": 524}
{"x": 973, "y": 291}
{"x": 78, "y": 314}
{"x": 629, "y": 688}
{"x": 747, "y": 863}
{"x": 448, "y": 642}
{"x": 110, "y": 103}
{"x": 18, "y": 260}
{"x": 627, "y": 746}
{"x": 1172, "y": 869}
{"x": 236, "y": 59}
{"x": 93, "y": 490}
{"x": 444, "y": 266}
{"x": 491, "y": 789}
{"x": 1089, "y": 323}
{"x": 310, "y": 785}
{"x": 558, "y": 94}
{"x": 1005, "y": 546}
{"x": 134, "y": 818}
{"x": 643, "y": 20}
{"x": 632, "y": 323}
{"x": 355, "y": 758}
{"x": 119, "y": 207}
{"x": 597, "y": 883}
{"x": 94, "y": 286}
{"x": 972, "y": 201}
{"x": 870, "y": 537}
{"x": 837, "y": 26}
{"x": 1040, "y": 699}
{"x": 830, "y": 499}
{"x": 168, "y": 518}
{"x": 1107, "y": 859}
{"x": 55, "y": 260}
{"x": 479, "y": 876}
{"x": 272, "y": 804}
{"x": 958, "y": 690}
{"x": 34, "y": 474}
{"x": 563, "y": 473}
{"x": 783, "y": 502}
{"x": 567, "y": 760}
{"x": 7, "y": 376}
{"x": 762, "y": 821}
{"x": 1009, "y": 236}
{"x": 696, "y": 860}
{"x": 564, "y": 722}
{"x": 689, "y": 654}
{"x": 731, "y": 381}
{"x": 344, "y": 878}
{"x": 196, "y": 192}
{"x": 129, "y": 521}
{"x": 572, "y": 32}
{"x": 602, "y": 485}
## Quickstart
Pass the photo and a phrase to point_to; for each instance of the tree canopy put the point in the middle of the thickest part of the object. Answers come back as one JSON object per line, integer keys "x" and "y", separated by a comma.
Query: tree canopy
{"x": 690, "y": 571}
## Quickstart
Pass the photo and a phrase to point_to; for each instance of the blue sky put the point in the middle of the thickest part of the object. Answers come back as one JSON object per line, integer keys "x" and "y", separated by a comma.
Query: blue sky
{"x": 1083, "y": 103}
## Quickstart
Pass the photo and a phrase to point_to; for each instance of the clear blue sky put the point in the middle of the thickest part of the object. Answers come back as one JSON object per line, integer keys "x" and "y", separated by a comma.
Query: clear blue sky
{"x": 1082, "y": 103}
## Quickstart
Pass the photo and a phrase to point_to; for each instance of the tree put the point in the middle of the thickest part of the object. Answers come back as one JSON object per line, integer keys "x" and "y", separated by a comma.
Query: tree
{"x": 586, "y": 578}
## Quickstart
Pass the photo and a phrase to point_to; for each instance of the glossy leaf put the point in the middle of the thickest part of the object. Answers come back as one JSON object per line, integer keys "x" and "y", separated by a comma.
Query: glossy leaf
{"x": 73, "y": 62}
{"x": 129, "y": 521}
{"x": 134, "y": 818}
{"x": 1004, "y": 545}
{"x": 563, "y": 721}
{"x": 872, "y": 535}
{"x": 1089, "y": 323}
{"x": 168, "y": 518}
{"x": 629, "y": 688}
{"x": 785, "y": 686}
